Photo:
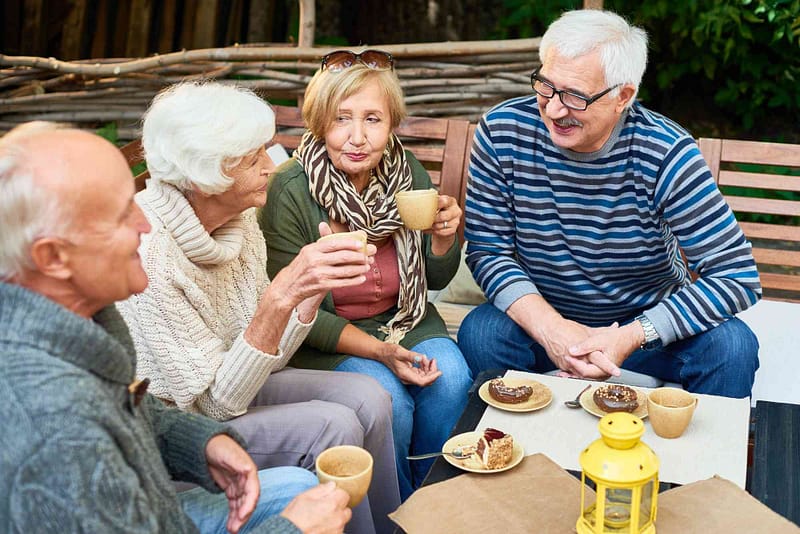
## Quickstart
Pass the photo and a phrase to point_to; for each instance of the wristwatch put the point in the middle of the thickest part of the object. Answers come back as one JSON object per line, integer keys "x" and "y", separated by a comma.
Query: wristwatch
{"x": 651, "y": 337}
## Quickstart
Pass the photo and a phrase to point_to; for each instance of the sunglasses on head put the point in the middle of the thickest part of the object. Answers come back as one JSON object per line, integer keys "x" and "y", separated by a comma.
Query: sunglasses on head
{"x": 339, "y": 60}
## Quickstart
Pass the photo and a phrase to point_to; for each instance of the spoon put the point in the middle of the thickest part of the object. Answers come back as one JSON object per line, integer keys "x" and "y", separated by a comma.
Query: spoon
{"x": 457, "y": 453}
{"x": 576, "y": 403}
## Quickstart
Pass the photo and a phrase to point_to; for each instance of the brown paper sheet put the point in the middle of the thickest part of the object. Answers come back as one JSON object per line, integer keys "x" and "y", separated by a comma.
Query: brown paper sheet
{"x": 717, "y": 506}
{"x": 536, "y": 496}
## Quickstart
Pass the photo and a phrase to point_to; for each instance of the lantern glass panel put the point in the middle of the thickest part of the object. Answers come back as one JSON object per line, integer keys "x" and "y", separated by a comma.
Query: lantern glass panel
{"x": 646, "y": 505}
{"x": 617, "y": 513}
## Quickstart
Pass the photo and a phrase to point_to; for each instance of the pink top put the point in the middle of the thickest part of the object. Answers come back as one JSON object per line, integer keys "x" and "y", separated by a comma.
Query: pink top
{"x": 376, "y": 295}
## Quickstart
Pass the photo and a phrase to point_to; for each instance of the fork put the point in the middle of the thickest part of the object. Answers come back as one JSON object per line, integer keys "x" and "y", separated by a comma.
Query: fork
{"x": 459, "y": 453}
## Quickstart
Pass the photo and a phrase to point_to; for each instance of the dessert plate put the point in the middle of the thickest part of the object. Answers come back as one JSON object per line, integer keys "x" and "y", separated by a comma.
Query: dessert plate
{"x": 542, "y": 396}
{"x": 472, "y": 464}
{"x": 588, "y": 404}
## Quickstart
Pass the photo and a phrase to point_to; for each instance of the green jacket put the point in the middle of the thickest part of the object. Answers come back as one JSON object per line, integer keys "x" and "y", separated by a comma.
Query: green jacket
{"x": 77, "y": 454}
{"x": 290, "y": 220}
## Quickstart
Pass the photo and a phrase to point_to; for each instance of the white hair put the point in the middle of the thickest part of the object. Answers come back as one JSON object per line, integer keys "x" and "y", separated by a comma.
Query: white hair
{"x": 27, "y": 210}
{"x": 193, "y": 132}
{"x": 622, "y": 47}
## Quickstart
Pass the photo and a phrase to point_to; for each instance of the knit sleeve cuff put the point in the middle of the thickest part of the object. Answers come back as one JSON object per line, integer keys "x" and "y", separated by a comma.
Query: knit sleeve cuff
{"x": 504, "y": 298}
{"x": 293, "y": 336}
{"x": 183, "y": 447}
{"x": 660, "y": 317}
{"x": 242, "y": 373}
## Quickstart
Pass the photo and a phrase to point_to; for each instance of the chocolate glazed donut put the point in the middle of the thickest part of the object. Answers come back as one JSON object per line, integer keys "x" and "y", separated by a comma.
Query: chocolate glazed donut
{"x": 500, "y": 392}
{"x": 615, "y": 398}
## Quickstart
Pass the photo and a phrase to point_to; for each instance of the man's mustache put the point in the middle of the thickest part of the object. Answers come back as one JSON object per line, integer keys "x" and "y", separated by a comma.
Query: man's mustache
{"x": 566, "y": 123}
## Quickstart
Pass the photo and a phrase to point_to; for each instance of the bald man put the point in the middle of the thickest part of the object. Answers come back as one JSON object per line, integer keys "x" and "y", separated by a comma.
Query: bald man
{"x": 84, "y": 447}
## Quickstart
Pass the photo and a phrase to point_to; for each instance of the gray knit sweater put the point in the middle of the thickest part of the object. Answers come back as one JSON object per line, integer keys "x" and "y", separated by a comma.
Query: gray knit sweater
{"x": 76, "y": 454}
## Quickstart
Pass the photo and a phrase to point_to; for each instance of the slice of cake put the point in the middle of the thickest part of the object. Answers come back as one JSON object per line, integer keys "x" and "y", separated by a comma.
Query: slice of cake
{"x": 494, "y": 449}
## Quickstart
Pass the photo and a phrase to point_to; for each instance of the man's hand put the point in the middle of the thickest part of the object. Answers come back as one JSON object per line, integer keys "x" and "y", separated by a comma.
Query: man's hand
{"x": 234, "y": 471}
{"x": 320, "y": 510}
{"x": 559, "y": 335}
{"x": 602, "y": 353}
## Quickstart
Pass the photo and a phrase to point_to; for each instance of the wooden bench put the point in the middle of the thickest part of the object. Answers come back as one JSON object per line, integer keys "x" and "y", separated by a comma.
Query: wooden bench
{"x": 757, "y": 167}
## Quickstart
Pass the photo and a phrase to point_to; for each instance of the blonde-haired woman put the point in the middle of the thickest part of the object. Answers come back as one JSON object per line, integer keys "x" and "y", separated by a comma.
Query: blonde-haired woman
{"x": 345, "y": 173}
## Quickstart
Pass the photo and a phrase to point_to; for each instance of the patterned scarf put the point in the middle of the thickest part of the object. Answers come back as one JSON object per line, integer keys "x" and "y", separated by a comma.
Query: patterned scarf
{"x": 374, "y": 211}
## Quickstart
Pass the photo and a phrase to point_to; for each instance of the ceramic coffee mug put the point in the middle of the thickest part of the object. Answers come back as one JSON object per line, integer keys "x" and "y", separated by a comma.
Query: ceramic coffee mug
{"x": 348, "y": 466}
{"x": 417, "y": 208}
{"x": 670, "y": 410}
{"x": 358, "y": 235}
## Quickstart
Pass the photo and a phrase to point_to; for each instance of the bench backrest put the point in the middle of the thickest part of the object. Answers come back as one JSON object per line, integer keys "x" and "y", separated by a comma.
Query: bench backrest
{"x": 772, "y": 172}
{"x": 439, "y": 144}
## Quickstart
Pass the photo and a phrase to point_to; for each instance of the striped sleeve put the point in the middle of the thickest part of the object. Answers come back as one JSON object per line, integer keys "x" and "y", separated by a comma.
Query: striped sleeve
{"x": 715, "y": 248}
{"x": 490, "y": 230}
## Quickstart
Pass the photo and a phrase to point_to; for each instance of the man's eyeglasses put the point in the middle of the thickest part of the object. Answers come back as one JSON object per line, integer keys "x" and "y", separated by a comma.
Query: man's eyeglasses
{"x": 571, "y": 100}
{"x": 339, "y": 60}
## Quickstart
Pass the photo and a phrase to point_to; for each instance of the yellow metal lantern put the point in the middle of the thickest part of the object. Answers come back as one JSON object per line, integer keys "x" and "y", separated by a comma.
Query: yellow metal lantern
{"x": 625, "y": 473}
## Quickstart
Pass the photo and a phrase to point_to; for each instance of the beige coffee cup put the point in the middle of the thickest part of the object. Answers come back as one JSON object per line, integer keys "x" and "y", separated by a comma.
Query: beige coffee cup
{"x": 358, "y": 235}
{"x": 670, "y": 410}
{"x": 417, "y": 208}
{"x": 350, "y": 467}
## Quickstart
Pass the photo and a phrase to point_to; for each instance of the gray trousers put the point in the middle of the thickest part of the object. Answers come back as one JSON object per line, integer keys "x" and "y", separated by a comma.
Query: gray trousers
{"x": 301, "y": 412}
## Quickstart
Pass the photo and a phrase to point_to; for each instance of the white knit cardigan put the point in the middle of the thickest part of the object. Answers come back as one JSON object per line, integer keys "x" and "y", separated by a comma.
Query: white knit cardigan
{"x": 188, "y": 325}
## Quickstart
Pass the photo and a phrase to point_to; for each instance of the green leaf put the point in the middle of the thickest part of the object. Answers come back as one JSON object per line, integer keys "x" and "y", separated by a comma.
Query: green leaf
{"x": 109, "y": 132}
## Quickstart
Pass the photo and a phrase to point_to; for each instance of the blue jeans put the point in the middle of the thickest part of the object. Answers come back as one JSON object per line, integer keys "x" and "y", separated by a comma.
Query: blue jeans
{"x": 422, "y": 417}
{"x": 279, "y": 485}
{"x": 721, "y": 361}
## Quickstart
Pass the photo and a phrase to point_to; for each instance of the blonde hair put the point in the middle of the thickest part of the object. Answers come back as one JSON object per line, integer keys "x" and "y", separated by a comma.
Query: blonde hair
{"x": 327, "y": 90}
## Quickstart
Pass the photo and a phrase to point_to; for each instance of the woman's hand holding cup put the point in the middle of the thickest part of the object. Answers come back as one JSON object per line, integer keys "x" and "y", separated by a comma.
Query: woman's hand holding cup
{"x": 445, "y": 226}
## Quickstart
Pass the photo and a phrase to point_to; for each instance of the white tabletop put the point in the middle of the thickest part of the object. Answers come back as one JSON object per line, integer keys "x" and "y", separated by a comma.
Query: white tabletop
{"x": 714, "y": 444}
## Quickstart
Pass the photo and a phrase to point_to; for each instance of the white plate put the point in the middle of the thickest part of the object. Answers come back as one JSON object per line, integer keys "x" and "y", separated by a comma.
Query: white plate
{"x": 473, "y": 465}
{"x": 542, "y": 396}
{"x": 587, "y": 401}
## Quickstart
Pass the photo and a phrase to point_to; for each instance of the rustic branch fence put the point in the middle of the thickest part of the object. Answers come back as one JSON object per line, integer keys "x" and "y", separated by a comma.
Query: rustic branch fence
{"x": 451, "y": 79}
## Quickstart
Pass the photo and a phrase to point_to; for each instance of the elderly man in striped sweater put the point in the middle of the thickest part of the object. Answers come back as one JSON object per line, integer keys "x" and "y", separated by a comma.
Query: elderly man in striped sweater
{"x": 579, "y": 203}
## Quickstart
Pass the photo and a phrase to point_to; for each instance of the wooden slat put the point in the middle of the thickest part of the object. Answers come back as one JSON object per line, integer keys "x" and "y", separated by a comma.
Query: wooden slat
{"x": 288, "y": 116}
{"x": 168, "y": 14}
{"x": 133, "y": 152}
{"x": 73, "y": 30}
{"x": 426, "y": 153}
{"x": 205, "y": 21}
{"x": 423, "y": 127}
{"x": 780, "y": 232}
{"x": 139, "y": 28}
{"x": 777, "y": 182}
{"x": 764, "y": 205}
{"x": 711, "y": 150}
{"x": 33, "y": 31}
{"x": 139, "y": 180}
{"x": 781, "y": 154}
{"x": 774, "y": 256}
{"x": 455, "y": 149}
{"x": 100, "y": 45}
{"x": 786, "y": 282}
{"x": 775, "y": 474}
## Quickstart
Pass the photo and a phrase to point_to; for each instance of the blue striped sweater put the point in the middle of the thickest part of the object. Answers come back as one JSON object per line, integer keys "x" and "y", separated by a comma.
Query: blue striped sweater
{"x": 599, "y": 235}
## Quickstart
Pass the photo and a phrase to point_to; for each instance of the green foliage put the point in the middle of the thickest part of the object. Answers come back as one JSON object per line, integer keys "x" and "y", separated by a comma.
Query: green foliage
{"x": 521, "y": 19}
{"x": 109, "y": 132}
{"x": 743, "y": 56}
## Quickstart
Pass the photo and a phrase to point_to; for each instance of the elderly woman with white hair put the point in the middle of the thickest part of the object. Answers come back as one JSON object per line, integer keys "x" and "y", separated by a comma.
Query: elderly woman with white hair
{"x": 211, "y": 327}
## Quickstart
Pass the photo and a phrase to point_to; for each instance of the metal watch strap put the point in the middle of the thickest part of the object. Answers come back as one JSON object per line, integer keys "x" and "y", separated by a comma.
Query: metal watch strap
{"x": 651, "y": 337}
